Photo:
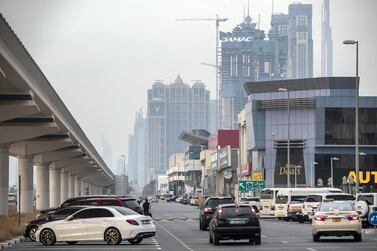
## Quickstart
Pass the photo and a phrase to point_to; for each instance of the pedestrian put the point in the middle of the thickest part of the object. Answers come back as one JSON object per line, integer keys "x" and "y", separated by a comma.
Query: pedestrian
{"x": 146, "y": 208}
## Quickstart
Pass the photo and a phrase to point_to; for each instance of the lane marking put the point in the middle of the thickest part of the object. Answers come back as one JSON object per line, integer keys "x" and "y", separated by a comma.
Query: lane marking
{"x": 311, "y": 249}
{"x": 264, "y": 236}
{"x": 285, "y": 242}
{"x": 175, "y": 237}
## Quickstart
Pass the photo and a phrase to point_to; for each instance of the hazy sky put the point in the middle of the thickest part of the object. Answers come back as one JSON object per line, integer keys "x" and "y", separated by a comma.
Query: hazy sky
{"x": 102, "y": 55}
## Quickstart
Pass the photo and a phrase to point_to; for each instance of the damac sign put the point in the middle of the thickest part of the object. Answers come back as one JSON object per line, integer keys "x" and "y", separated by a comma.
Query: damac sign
{"x": 365, "y": 177}
{"x": 236, "y": 39}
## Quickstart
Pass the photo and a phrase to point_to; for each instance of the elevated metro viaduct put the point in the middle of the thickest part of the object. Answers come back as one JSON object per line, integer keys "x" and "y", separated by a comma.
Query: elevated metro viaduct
{"x": 37, "y": 128}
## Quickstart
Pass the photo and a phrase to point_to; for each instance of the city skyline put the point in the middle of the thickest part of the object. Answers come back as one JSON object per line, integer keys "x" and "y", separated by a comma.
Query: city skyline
{"x": 70, "y": 63}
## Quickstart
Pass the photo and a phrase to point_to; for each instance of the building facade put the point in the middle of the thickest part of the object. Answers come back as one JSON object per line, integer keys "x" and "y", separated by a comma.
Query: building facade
{"x": 172, "y": 109}
{"x": 322, "y": 126}
{"x": 137, "y": 171}
{"x": 326, "y": 41}
{"x": 300, "y": 41}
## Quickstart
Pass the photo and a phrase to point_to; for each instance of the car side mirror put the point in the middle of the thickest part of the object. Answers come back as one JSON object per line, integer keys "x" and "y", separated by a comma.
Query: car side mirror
{"x": 70, "y": 218}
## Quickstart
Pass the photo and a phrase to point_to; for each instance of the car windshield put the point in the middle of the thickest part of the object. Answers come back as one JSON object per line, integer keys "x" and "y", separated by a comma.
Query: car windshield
{"x": 337, "y": 197}
{"x": 267, "y": 194}
{"x": 367, "y": 198}
{"x": 251, "y": 199}
{"x": 218, "y": 201}
{"x": 332, "y": 206}
{"x": 281, "y": 199}
{"x": 297, "y": 199}
{"x": 313, "y": 198}
{"x": 125, "y": 211}
{"x": 131, "y": 203}
{"x": 233, "y": 212}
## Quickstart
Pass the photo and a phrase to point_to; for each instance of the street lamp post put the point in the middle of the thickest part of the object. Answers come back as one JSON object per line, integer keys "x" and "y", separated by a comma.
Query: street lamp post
{"x": 357, "y": 163}
{"x": 124, "y": 174}
{"x": 288, "y": 141}
{"x": 312, "y": 174}
{"x": 332, "y": 170}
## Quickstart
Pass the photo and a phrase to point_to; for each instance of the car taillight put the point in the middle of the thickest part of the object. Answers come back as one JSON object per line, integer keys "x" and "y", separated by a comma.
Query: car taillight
{"x": 133, "y": 222}
{"x": 253, "y": 210}
{"x": 207, "y": 209}
{"x": 320, "y": 218}
{"x": 219, "y": 211}
{"x": 352, "y": 217}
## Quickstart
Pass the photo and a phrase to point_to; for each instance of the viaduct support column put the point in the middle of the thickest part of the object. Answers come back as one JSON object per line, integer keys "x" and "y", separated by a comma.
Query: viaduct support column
{"x": 77, "y": 186}
{"x": 82, "y": 188}
{"x": 55, "y": 181}
{"x": 4, "y": 180}
{"x": 25, "y": 170}
{"x": 71, "y": 185}
{"x": 64, "y": 186}
{"x": 42, "y": 188}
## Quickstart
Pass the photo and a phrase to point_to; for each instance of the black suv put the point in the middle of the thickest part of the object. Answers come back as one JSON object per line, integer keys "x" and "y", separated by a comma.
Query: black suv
{"x": 209, "y": 207}
{"x": 232, "y": 221}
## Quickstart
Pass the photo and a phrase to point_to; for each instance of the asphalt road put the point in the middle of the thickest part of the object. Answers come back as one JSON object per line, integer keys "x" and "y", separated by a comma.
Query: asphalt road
{"x": 178, "y": 229}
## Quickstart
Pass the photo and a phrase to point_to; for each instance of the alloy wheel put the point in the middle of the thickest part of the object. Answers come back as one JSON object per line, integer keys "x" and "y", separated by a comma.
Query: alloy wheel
{"x": 112, "y": 236}
{"x": 47, "y": 237}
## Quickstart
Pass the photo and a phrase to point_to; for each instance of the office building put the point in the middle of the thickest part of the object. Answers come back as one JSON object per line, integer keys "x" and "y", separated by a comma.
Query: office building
{"x": 326, "y": 41}
{"x": 172, "y": 109}
{"x": 137, "y": 170}
{"x": 322, "y": 126}
{"x": 300, "y": 41}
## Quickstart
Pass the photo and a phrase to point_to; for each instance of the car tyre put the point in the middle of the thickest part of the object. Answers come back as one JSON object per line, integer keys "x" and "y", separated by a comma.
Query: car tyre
{"x": 357, "y": 237}
{"x": 31, "y": 233}
{"x": 47, "y": 237}
{"x": 316, "y": 237}
{"x": 72, "y": 242}
{"x": 112, "y": 236}
{"x": 216, "y": 239}
{"x": 258, "y": 240}
{"x": 135, "y": 241}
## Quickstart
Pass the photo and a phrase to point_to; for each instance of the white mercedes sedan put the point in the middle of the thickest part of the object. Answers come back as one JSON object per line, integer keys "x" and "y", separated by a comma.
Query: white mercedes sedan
{"x": 111, "y": 224}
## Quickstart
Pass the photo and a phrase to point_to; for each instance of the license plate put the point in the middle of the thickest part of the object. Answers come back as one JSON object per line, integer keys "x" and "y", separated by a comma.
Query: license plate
{"x": 335, "y": 220}
{"x": 236, "y": 222}
{"x": 146, "y": 222}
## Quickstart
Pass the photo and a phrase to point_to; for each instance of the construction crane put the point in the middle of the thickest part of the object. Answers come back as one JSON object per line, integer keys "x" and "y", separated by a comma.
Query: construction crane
{"x": 217, "y": 20}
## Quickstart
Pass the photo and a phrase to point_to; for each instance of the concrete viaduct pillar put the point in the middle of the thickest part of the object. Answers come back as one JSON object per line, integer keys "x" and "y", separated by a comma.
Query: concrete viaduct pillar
{"x": 4, "y": 180}
{"x": 64, "y": 186}
{"x": 42, "y": 187}
{"x": 71, "y": 185}
{"x": 55, "y": 181}
{"x": 25, "y": 170}
{"x": 77, "y": 186}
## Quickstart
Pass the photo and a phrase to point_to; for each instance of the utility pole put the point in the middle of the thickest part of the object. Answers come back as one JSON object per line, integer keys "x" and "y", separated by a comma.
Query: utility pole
{"x": 217, "y": 21}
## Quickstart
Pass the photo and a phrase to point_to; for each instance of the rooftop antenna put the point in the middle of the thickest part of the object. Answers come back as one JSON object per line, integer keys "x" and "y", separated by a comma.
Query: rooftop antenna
{"x": 259, "y": 22}
{"x": 244, "y": 11}
{"x": 248, "y": 8}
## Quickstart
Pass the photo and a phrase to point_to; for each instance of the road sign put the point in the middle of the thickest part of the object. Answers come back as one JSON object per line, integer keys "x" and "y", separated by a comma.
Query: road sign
{"x": 245, "y": 185}
{"x": 372, "y": 218}
{"x": 257, "y": 185}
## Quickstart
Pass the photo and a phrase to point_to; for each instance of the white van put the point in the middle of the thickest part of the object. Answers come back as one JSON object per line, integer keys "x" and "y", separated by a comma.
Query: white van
{"x": 267, "y": 201}
{"x": 289, "y": 202}
{"x": 313, "y": 201}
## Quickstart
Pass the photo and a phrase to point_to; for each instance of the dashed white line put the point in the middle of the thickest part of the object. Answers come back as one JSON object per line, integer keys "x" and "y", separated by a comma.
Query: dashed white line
{"x": 311, "y": 249}
{"x": 285, "y": 242}
{"x": 175, "y": 237}
{"x": 264, "y": 236}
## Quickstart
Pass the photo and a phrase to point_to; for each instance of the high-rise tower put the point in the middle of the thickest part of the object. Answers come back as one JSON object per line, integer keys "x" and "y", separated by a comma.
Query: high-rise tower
{"x": 300, "y": 41}
{"x": 326, "y": 43}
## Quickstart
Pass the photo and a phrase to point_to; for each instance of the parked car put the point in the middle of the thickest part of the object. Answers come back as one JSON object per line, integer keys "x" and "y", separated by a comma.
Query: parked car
{"x": 43, "y": 214}
{"x": 110, "y": 224}
{"x": 207, "y": 210}
{"x": 154, "y": 199}
{"x": 338, "y": 218}
{"x": 132, "y": 204}
{"x": 185, "y": 200}
{"x": 233, "y": 221}
{"x": 99, "y": 202}
{"x": 32, "y": 226}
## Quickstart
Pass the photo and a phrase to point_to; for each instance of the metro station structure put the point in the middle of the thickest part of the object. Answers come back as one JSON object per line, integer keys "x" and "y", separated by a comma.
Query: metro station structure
{"x": 37, "y": 128}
